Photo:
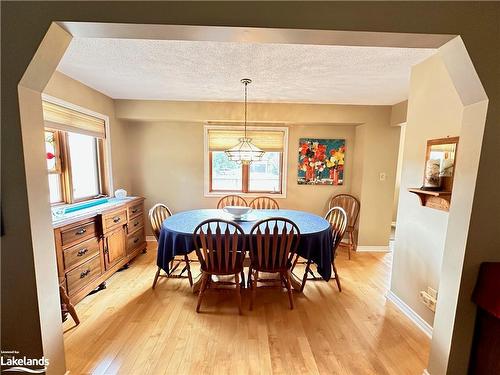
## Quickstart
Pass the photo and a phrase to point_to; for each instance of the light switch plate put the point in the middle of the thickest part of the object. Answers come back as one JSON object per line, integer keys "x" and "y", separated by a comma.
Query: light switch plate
{"x": 382, "y": 176}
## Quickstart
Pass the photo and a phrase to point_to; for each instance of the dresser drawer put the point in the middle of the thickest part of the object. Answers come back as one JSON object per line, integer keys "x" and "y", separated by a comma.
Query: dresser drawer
{"x": 135, "y": 223}
{"x": 81, "y": 252}
{"x": 83, "y": 274}
{"x": 78, "y": 233}
{"x": 135, "y": 210}
{"x": 135, "y": 239}
{"x": 114, "y": 219}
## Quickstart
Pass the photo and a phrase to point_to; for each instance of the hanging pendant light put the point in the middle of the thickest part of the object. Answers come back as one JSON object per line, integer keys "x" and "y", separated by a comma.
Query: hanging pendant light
{"x": 245, "y": 151}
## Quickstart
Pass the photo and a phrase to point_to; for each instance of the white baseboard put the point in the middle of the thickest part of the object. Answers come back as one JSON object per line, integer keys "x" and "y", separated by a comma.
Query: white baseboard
{"x": 408, "y": 311}
{"x": 426, "y": 372}
{"x": 384, "y": 249}
{"x": 150, "y": 238}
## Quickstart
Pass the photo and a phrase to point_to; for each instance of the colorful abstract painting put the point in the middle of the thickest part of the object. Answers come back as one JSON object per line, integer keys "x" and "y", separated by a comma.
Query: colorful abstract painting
{"x": 321, "y": 161}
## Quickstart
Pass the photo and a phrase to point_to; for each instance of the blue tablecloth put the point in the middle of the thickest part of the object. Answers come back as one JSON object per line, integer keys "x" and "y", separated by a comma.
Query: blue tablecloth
{"x": 176, "y": 236}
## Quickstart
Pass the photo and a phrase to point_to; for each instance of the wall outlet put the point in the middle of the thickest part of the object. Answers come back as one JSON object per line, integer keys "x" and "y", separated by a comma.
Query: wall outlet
{"x": 382, "y": 176}
{"x": 428, "y": 300}
{"x": 432, "y": 292}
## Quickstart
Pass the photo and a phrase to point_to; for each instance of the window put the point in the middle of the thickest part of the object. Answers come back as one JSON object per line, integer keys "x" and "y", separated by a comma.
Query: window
{"x": 226, "y": 174}
{"x": 74, "y": 143}
{"x": 264, "y": 176}
{"x": 53, "y": 165}
{"x": 84, "y": 165}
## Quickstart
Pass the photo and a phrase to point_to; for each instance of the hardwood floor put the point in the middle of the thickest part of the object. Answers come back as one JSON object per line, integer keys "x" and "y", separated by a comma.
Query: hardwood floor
{"x": 131, "y": 329}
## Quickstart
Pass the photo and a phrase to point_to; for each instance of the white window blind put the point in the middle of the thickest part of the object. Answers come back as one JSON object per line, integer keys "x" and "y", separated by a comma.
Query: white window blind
{"x": 267, "y": 140}
{"x": 62, "y": 118}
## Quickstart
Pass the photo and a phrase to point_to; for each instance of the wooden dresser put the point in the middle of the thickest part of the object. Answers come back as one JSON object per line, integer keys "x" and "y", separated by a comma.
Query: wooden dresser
{"x": 93, "y": 245}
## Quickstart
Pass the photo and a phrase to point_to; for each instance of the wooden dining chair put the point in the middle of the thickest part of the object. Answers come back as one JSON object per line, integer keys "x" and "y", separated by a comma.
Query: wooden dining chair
{"x": 157, "y": 215}
{"x": 351, "y": 206}
{"x": 264, "y": 203}
{"x": 231, "y": 200}
{"x": 220, "y": 247}
{"x": 272, "y": 245}
{"x": 337, "y": 218}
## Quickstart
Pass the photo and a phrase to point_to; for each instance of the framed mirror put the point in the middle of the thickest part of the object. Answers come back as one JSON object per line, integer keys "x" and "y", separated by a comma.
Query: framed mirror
{"x": 440, "y": 164}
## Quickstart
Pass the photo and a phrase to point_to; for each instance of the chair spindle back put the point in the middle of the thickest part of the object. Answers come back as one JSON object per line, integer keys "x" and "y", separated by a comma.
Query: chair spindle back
{"x": 157, "y": 215}
{"x": 338, "y": 220}
{"x": 350, "y": 204}
{"x": 231, "y": 200}
{"x": 264, "y": 203}
{"x": 273, "y": 243}
{"x": 220, "y": 246}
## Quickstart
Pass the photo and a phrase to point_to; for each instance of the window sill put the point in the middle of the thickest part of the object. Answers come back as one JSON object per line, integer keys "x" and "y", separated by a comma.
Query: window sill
{"x": 215, "y": 194}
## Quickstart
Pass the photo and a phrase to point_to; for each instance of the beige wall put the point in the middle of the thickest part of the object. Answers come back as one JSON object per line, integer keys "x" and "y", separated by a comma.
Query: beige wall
{"x": 399, "y": 169}
{"x": 168, "y": 166}
{"x": 160, "y": 131}
{"x": 434, "y": 111}
{"x": 399, "y": 113}
{"x": 378, "y": 155}
{"x": 72, "y": 91}
{"x": 398, "y": 118}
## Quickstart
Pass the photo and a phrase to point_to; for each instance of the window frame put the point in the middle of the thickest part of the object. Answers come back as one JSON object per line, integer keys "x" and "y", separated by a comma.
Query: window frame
{"x": 65, "y": 168}
{"x": 245, "y": 192}
{"x": 59, "y": 165}
{"x": 103, "y": 155}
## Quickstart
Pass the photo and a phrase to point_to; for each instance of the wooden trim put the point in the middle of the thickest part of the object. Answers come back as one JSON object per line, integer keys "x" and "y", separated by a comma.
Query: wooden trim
{"x": 440, "y": 200}
{"x": 102, "y": 161}
{"x": 210, "y": 171}
{"x": 245, "y": 178}
{"x": 57, "y": 149}
{"x": 66, "y": 169}
{"x": 440, "y": 141}
{"x": 410, "y": 313}
{"x": 382, "y": 249}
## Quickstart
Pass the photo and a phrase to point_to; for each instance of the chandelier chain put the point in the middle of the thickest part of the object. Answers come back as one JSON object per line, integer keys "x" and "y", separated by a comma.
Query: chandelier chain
{"x": 246, "y": 84}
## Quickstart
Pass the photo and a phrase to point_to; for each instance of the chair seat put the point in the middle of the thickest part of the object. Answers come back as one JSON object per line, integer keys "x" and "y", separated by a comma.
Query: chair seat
{"x": 238, "y": 267}
{"x": 255, "y": 266}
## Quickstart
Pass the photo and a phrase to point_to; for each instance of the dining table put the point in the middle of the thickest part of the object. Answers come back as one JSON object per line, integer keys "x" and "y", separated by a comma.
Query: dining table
{"x": 315, "y": 240}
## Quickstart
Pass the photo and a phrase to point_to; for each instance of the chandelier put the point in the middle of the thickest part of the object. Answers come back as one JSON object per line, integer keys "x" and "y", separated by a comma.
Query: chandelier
{"x": 245, "y": 151}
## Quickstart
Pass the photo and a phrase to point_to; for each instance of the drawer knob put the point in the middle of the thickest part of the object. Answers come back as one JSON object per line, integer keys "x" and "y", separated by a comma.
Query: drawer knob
{"x": 84, "y": 273}
{"x": 134, "y": 210}
{"x": 136, "y": 223}
{"x": 116, "y": 219}
{"x": 82, "y": 252}
{"x": 81, "y": 231}
{"x": 136, "y": 240}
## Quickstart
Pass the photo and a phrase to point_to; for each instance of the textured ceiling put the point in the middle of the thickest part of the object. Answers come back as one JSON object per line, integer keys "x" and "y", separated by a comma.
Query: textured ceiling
{"x": 186, "y": 70}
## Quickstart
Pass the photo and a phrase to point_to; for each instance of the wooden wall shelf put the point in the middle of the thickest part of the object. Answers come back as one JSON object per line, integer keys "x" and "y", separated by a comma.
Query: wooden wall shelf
{"x": 440, "y": 200}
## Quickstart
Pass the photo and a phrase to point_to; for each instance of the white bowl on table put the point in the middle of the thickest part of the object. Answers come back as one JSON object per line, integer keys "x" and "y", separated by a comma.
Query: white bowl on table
{"x": 237, "y": 212}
